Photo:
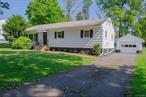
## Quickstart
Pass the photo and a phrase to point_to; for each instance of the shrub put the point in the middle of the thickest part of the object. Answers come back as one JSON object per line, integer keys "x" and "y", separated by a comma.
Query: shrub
{"x": 11, "y": 39}
{"x": 96, "y": 49}
{"x": 22, "y": 43}
{"x": 82, "y": 52}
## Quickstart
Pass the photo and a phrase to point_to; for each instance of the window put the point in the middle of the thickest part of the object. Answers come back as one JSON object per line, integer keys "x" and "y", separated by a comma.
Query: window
{"x": 126, "y": 45}
{"x": 130, "y": 45}
{"x": 59, "y": 35}
{"x": 36, "y": 37}
{"x": 134, "y": 45}
{"x": 86, "y": 33}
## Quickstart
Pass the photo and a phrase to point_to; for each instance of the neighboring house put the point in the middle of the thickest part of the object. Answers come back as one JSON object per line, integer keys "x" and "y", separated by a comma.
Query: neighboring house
{"x": 129, "y": 44}
{"x": 2, "y": 39}
{"x": 76, "y": 34}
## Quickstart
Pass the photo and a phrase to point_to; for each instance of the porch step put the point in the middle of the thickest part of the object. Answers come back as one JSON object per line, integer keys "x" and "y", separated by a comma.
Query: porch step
{"x": 41, "y": 48}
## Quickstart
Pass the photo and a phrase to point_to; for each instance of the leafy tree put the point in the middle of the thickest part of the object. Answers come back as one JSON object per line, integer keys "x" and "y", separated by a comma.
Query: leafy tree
{"x": 86, "y": 8}
{"x": 80, "y": 16}
{"x": 3, "y": 5}
{"x": 84, "y": 14}
{"x": 68, "y": 10}
{"x": 71, "y": 6}
{"x": 15, "y": 27}
{"x": 44, "y": 12}
{"x": 124, "y": 13}
{"x": 143, "y": 26}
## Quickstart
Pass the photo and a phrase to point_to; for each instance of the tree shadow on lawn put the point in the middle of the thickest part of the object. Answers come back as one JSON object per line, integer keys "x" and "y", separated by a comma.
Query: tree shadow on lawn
{"x": 89, "y": 81}
{"x": 19, "y": 67}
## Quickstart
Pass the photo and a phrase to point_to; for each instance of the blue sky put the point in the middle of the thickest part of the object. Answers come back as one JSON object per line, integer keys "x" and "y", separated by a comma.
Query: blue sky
{"x": 16, "y": 7}
{"x": 19, "y": 7}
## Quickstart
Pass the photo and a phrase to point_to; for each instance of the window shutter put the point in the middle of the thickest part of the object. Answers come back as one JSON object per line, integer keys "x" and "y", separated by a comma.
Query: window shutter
{"x": 81, "y": 34}
{"x": 55, "y": 36}
{"x": 91, "y": 33}
{"x": 62, "y": 34}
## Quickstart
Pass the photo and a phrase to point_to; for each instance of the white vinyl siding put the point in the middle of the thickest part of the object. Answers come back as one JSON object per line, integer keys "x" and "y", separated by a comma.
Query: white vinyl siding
{"x": 72, "y": 38}
{"x": 129, "y": 44}
{"x": 108, "y": 35}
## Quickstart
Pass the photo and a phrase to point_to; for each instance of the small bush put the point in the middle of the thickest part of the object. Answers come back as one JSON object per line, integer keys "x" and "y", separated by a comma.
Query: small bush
{"x": 82, "y": 52}
{"x": 96, "y": 49}
{"x": 65, "y": 50}
{"x": 53, "y": 50}
{"x": 22, "y": 43}
{"x": 75, "y": 51}
{"x": 11, "y": 39}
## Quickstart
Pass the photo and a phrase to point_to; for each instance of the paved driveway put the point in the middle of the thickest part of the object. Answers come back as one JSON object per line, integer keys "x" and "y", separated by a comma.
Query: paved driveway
{"x": 110, "y": 76}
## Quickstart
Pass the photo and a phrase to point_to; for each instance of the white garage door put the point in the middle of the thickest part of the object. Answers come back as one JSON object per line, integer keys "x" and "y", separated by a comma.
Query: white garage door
{"x": 128, "y": 48}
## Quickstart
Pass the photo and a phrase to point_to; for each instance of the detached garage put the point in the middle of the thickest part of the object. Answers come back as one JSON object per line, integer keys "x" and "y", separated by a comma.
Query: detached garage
{"x": 129, "y": 44}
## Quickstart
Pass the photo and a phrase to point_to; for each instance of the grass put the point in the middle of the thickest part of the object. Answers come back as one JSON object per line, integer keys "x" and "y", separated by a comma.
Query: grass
{"x": 5, "y": 47}
{"x": 138, "y": 88}
{"x": 18, "y": 67}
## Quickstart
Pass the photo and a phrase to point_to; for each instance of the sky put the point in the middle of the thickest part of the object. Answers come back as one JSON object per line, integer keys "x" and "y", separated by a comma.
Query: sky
{"x": 19, "y": 7}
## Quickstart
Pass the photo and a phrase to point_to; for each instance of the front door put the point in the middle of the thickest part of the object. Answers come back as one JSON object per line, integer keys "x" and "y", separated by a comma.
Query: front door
{"x": 45, "y": 38}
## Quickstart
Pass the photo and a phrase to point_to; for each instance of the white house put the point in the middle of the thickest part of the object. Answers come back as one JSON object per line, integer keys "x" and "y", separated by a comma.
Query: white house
{"x": 129, "y": 44}
{"x": 2, "y": 39}
{"x": 76, "y": 34}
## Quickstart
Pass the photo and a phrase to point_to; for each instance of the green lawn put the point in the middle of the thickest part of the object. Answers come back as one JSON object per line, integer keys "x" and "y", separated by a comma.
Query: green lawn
{"x": 17, "y": 67}
{"x": 5, "y": 47}
{"x": 138, "y": 88}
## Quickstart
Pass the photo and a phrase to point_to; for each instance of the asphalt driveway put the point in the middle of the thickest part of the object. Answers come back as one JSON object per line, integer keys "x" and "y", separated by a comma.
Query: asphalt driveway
{"x": 109, "y": 76}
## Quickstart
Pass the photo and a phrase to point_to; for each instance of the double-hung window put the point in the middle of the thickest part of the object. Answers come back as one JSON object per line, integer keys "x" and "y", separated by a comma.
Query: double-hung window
{"x": 59, "y": 35}
{"x": 86, "y": 33}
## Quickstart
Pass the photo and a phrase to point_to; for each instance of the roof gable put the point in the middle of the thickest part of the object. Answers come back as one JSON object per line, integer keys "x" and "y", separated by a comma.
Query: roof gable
{"x": 130, "y": 37}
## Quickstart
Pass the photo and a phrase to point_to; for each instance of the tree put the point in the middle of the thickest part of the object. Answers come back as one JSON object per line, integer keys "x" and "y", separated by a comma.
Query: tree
{"x": 124, "y": 13}
{"x": 84, "y": 14}
{"x": 86, "y": 8}
{"x": 68, "y": 10}
{"x": 44, "y": 12}
{"x": 15, "y": 27}
{"x": 71, "y": 6}
{"x": 143, "y": 22}
{"x": 80, "y": 16}
{"x": 3, "y": 5}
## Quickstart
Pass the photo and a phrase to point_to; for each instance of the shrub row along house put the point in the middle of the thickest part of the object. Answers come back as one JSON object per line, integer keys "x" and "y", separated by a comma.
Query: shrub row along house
{"x": 78, "y": 35}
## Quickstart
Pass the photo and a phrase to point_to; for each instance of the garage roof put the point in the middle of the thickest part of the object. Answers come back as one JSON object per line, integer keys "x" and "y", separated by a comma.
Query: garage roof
{"x": 70, "y": 24}
{"x": 130, "y": 37}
